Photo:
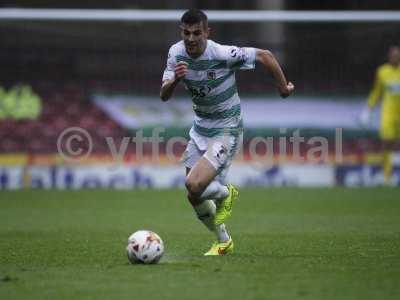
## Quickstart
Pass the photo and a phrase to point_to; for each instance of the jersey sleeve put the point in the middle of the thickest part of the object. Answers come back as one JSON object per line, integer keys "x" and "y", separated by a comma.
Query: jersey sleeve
{"x": 169, "y": 72}
{"x": 238, "y": 58}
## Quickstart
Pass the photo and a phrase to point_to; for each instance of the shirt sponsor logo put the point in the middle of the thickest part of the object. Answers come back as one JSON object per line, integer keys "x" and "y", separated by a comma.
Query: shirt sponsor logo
{"x": 211, "y": 75}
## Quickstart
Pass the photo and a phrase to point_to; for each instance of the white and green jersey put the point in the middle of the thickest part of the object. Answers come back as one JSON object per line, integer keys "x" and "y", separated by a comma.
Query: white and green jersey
{"x": 212, "y": 84}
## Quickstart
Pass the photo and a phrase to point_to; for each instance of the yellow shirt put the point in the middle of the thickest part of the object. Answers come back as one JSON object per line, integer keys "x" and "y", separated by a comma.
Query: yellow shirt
{"x": 387, "y": 86}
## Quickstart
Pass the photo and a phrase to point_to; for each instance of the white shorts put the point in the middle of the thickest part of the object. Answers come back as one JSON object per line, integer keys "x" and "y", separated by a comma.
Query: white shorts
{"x": 219, "y": 151}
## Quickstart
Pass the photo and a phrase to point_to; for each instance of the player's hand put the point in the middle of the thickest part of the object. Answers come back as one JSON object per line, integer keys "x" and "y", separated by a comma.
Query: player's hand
{"x": 181, "y": 70}
{"x": 365, "y": 117}
{"x": 286, "y": 90}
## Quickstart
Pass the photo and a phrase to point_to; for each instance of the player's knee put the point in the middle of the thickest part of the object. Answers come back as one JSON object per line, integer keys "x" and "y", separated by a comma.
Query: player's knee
{"x": 193, "y": 199}
{"x": 193, "y": 187}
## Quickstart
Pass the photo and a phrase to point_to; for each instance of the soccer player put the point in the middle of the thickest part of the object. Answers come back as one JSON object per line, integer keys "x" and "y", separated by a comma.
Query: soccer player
{"x": 207, "y": 69}
{"x": 387, "y": 88}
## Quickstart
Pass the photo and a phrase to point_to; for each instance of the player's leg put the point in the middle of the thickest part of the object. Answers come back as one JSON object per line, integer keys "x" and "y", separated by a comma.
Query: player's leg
{"x": 197, "y": 180}
{"x": 389, "y": 133}
{"x": 203, "y": 205}
{"x": 205, "y": 209}
{"x": 202, "y": 187}
{"x": 224, "y": 243}
{"x": 200, "y": 181}
{"x": 215, "y": 190}
{"x": 387, "y": 161}
{"x": 220, "y": 155}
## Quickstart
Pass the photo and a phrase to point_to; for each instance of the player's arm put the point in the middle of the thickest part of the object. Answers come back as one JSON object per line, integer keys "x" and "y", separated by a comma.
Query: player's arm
{"x": 268, "y": 60}
{"x": 373, "y": 99}
{"x": 168, "y": 86}
{"x": 376, "y": 92}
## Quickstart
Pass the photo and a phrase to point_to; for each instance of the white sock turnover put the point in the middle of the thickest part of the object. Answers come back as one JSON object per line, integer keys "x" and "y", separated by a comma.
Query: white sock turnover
{"x": 222, "y": 234}
{"x": 206, "y": 213}
{"x": 215, "y": 190}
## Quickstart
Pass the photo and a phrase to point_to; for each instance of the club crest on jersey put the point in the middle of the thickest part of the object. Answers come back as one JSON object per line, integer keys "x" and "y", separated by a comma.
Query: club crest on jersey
{"x": 211, "y": 75}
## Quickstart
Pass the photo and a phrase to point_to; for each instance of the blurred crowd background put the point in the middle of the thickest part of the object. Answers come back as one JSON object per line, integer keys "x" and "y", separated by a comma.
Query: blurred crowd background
{"x": 104, "y": 77}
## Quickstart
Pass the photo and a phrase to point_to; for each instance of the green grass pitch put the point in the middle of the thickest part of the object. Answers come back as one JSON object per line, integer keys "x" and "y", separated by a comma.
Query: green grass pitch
{"x": 289, "y": 244}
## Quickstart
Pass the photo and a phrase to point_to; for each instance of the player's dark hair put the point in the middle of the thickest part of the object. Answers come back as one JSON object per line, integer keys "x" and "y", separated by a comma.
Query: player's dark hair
{"x": 194, "y": 16}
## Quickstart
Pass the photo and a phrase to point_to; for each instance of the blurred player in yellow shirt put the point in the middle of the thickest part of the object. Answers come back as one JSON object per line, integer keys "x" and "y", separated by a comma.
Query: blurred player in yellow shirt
{"x": 387, "y": 88}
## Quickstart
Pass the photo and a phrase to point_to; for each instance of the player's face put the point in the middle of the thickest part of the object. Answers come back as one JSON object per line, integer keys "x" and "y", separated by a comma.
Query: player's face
{"x": 195, "y": 38}
{"x": 394, "y": 56}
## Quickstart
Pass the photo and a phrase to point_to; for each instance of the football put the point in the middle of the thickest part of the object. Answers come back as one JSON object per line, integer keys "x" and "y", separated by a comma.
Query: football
{"x": 144, "y": 246}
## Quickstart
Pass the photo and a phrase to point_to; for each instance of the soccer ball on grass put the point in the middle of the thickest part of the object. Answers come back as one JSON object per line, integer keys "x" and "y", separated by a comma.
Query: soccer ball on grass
{"x": 144, "y": 246}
